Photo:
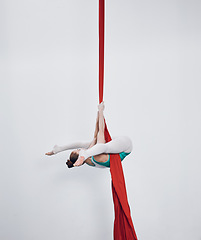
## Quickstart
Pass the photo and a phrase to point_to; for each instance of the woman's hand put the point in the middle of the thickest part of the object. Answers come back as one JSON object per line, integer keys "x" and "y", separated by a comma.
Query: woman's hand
{"x": 79, "y": 161}
{"x": 49, "y": 153}
{"x": 101, "y": 106}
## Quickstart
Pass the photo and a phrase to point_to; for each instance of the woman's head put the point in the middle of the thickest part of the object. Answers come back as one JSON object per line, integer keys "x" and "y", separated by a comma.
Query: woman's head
{"x": 73, "y": 158}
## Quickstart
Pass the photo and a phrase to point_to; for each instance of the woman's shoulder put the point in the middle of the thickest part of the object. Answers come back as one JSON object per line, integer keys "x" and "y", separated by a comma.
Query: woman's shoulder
{"x": 89, "y": 162}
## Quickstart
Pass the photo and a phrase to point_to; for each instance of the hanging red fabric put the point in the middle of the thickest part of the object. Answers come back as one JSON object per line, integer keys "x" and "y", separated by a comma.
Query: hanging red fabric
{"x": 101, "y": 47}
{"x": 123, "y": 225}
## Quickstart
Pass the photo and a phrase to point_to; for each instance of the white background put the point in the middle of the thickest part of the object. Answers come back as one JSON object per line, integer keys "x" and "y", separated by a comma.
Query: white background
{"x": 49, "y": 95}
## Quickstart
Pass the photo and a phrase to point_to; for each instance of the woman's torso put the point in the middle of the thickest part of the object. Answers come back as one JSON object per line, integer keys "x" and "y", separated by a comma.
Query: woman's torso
{"x": 103, "y": 160}
{"x": 99, "y": 158}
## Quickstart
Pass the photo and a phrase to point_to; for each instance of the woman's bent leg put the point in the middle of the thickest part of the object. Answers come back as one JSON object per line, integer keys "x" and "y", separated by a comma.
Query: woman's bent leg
{"x": 117, "y": 145}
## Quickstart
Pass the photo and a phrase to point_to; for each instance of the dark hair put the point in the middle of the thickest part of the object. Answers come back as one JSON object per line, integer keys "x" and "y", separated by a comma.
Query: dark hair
{"x": 73, "y": 159}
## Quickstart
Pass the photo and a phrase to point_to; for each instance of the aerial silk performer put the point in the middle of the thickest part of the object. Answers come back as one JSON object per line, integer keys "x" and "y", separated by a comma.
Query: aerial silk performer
{"x": 104, "y": 152}
{"x": 98, "y": 152}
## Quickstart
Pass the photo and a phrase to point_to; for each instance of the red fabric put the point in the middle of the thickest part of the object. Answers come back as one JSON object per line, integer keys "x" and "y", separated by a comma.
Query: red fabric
{"x": 101, "y": 48}
{"x": 123, "y": 225}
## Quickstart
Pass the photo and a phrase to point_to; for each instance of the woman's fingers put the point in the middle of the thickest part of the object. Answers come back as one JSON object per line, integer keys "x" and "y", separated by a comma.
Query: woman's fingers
{"x": 79, "y": 161}
{"x": 101, "y": 106}
{"x": 76, "y": 164}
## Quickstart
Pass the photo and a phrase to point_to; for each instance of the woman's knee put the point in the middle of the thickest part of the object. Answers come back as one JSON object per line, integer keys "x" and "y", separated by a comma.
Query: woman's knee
{"x": 129, "y": 144}
{"x": 125, "y": 143}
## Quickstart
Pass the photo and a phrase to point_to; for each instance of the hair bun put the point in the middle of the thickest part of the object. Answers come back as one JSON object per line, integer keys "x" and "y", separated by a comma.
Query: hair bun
{"x": 69, "y": 164}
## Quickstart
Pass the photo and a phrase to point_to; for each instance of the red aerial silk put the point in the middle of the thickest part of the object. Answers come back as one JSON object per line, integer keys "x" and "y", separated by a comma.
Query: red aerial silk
{"x": 123, "y": 225}
{"x": 101, "y": 47}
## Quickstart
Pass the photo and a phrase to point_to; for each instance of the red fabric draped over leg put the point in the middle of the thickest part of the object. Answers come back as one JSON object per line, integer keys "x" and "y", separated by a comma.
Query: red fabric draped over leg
{"x": 123, "y": 225}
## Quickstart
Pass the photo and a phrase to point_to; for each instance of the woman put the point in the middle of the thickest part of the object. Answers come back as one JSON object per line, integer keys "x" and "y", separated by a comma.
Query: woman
{"x": 97, "y": 153}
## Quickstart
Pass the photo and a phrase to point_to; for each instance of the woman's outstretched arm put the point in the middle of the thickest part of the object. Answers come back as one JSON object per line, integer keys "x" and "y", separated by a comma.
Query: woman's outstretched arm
{"x": 98, "y": 147}
{"x": 94, "y": 141}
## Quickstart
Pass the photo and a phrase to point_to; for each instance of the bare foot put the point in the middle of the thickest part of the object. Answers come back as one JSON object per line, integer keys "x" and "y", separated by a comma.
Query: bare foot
{"x": 49, "y": 153}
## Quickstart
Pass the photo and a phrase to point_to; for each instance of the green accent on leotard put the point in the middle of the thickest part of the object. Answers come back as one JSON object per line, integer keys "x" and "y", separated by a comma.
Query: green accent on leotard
{"x": 123, "y": 155}
{"x": 107, "y": 163}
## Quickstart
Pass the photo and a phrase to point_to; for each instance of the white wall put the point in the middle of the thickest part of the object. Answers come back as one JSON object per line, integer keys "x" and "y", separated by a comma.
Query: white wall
{"x": 49, "y": 95}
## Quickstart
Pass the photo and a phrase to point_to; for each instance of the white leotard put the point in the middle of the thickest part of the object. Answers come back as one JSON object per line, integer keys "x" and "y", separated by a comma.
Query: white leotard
{"x": 116, "y": 145}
